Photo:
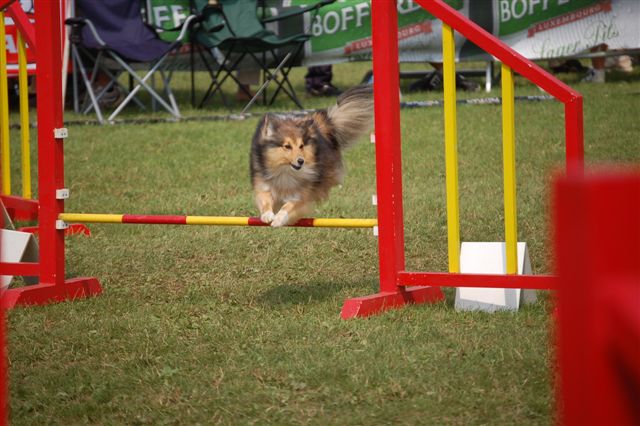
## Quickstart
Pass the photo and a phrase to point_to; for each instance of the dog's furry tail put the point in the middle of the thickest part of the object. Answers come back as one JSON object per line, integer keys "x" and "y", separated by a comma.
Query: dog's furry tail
{"x": 352, "y": 116}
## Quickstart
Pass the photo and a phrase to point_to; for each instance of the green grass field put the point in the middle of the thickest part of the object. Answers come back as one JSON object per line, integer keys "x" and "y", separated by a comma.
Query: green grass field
{"x": 204, "y": 325}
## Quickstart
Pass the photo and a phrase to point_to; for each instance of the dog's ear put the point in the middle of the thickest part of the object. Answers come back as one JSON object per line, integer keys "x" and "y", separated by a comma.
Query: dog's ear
{"x": 269, "y": 127}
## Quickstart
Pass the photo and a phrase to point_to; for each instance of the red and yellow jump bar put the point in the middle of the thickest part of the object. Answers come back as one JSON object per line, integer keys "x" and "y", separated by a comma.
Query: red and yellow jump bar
{"x": 210, "y": 220}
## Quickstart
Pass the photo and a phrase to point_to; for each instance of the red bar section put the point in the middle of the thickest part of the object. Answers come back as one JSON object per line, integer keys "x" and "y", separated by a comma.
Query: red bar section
{"x": 29, "y": 269}
{"x": 20, "y": 208}
{"x": 154, "y": 219}
{"x": 25, "y": 27}
{"x": 255, "y": 221}
{"x": 442, "y": 279}
{"x": 304, "y": 223}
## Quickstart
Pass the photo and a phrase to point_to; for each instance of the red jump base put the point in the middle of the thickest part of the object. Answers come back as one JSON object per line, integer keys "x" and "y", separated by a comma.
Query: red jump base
{"x": 379, "y": 302}
{"x": 44, "y": 294}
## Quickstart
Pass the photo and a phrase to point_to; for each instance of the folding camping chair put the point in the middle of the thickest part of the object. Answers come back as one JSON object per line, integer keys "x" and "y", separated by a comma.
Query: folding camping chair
{"x": 113, "y": 37}
{"x": 244, "y": 36}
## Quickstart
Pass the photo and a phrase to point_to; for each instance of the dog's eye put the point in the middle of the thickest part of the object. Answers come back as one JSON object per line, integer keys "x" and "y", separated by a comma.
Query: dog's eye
{"x": 301, "y": 145}
{"x": 287, "y": 147}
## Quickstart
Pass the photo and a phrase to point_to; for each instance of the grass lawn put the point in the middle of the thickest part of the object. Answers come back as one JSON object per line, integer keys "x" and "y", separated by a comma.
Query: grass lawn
{"x": 206, "y": 325}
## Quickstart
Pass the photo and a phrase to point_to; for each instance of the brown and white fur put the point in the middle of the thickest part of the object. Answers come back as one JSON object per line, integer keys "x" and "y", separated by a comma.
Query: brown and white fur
{"x": 296, "y": 160}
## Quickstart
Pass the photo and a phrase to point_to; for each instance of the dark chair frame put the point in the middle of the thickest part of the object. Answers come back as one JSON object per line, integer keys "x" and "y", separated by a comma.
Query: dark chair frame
{"x": 105, "y": 59}
{"x": 233, "y": 54}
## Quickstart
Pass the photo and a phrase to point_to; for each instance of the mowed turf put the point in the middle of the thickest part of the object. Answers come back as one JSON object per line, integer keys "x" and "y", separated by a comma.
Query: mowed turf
{"x": 209, "y": 325}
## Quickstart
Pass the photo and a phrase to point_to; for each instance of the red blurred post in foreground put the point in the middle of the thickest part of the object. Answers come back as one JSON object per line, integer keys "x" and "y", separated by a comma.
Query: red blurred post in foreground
{"x": 597, "y": 238}
{"x": 3, "y": 345}
{"x": 3, "y": 368}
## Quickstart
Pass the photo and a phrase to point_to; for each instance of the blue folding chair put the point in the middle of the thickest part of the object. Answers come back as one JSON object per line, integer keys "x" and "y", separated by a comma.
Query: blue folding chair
{"x": 112, "y": 38}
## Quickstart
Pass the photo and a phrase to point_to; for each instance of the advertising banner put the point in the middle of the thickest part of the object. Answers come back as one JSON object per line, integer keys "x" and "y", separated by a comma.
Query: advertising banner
{"x": 543, "y": 29}
{"x": 537, "y": 29}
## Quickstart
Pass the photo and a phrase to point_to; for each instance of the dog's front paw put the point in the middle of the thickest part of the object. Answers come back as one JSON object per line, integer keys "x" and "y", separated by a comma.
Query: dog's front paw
{"x": 267, "y": 217}
{"x": 280, "y": 219}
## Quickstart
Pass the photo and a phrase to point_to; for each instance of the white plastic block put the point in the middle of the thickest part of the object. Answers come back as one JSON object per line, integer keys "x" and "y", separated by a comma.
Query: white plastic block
{"x": 491, "y": 258}
{"x": 16, "y": 246}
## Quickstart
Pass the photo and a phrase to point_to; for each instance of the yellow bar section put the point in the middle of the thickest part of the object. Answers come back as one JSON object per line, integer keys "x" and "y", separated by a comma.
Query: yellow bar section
{"x": 509, "y": 166}
{"x": 90, "y": 218}
{"x": 451, "y": 147}
{"x": 23, "y": 83}
{"x": 5, "y": 150}
{"x": 217, "y": 220}
{"x": 345, "y": 223}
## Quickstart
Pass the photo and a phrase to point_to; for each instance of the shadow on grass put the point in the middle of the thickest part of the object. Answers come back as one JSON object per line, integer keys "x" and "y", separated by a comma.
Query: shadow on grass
{"x": 314, "y": 292}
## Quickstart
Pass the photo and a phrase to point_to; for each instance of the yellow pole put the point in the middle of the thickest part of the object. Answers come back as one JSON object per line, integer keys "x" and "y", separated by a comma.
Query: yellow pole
{"x": 344, "y": 223}
{"x": 23, "y": 83}
{"x": 509, "y": 166}
{"x": 451, "y": 147}
{"x": 217, "y": 220}
{"x": 90, "y": 218}
{"x": 5, "y": 150}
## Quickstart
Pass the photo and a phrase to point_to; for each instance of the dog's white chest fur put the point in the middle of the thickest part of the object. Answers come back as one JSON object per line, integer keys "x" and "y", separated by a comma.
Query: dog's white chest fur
{"x": 286, "y": 184}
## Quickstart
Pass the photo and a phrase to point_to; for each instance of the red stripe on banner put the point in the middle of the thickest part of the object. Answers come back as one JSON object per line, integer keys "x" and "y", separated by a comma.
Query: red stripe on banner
{"x": 567, "y": 18}
{"x": 167, "y": 220}
{"x": 403, "y": 33}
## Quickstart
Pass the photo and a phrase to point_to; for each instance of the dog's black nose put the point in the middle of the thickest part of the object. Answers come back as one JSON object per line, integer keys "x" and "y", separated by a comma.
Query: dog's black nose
{"x": 300, "y": 161}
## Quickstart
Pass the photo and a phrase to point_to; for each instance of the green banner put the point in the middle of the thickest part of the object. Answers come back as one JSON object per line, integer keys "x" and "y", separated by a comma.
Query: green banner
{"x": 519, "y": 15}
{"x": 347, "y": 25}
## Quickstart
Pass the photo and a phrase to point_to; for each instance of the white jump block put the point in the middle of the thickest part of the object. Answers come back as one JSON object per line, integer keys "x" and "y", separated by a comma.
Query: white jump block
{"x": 491, "y": 258}
{"x": 16, "y": 246}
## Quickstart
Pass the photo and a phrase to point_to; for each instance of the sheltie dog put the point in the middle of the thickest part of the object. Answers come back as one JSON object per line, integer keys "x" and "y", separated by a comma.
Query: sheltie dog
{"x": 296, "y": 160}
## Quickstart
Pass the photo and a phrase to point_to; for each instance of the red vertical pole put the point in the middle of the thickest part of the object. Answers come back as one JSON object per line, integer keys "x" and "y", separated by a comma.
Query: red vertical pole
{"x": 386, "y": 76}
{"x": 574, "y": 135}
{"x": 384, "y": 22}
{"x": 3, "y": 369}
{"x": 50, "y": 149}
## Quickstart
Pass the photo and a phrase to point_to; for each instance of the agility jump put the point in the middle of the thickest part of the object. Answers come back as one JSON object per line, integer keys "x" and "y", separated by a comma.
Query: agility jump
{"x": 211, "y": 220}
{"x": 397, "y": 285}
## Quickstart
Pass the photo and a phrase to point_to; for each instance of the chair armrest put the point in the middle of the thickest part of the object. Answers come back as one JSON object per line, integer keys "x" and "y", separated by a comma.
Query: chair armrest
{"x": 80, "y": 21}
{"x": 298, "y": 11}
{"x": 216, "y": 8}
